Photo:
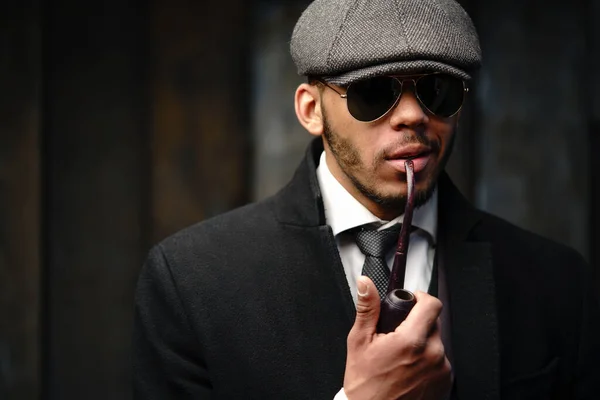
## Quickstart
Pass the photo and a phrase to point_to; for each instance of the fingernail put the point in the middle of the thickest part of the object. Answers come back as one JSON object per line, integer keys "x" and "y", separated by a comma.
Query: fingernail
{"x": 361, "y": 287}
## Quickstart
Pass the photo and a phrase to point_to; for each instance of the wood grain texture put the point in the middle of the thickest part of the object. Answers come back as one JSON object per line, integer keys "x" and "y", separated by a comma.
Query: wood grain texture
{"x": 95, "y": 171}
{"x": 533, "y": 118}
{"x": 19, "y": 200}
{"x": 592, "y": 83}
{"x": 200, "y": 94}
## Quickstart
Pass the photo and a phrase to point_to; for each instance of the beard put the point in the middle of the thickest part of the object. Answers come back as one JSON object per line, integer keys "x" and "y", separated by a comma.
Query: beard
{"x": 348, "y": 158}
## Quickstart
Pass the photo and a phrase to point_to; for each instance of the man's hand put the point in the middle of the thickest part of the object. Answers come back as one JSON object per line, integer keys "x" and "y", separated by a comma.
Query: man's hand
{"x": 409, "y": 363}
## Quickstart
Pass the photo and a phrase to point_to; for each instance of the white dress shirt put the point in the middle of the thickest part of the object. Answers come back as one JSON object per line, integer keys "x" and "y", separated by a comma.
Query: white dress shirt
{"x": 344, "y": 212}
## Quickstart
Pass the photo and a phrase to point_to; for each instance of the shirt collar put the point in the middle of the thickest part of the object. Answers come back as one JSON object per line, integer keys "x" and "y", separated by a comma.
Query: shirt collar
{"x": 343, "y": 211}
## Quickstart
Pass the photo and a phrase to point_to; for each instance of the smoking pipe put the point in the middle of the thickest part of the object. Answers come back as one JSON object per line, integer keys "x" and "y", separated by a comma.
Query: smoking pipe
{"x": 398, "y": 302}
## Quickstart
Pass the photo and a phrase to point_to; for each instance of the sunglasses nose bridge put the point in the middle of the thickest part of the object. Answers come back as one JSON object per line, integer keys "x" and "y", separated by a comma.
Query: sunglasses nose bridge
{"x": 412, "y": 84}
{"x": 407, "y": 109}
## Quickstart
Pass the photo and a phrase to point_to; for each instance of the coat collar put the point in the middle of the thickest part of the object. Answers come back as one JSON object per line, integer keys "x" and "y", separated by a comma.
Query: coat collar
{"x": 300, "y": 202}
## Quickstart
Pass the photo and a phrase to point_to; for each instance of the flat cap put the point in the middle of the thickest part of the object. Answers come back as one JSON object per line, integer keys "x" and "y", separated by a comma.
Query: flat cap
{"x": 346, "y": 40}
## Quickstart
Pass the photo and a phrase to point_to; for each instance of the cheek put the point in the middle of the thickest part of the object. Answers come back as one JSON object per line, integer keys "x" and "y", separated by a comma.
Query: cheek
{"x": 370, "y": 152}
{"x": 363, "y": 145}
{"x": 444, "y": 134}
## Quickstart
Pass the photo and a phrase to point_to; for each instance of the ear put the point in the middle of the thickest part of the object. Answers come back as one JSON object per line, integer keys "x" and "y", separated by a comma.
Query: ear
{"x": 308, "y": 108}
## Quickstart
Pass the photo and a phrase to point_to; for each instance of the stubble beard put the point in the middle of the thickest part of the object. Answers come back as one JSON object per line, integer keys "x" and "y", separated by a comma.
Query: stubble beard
{"x": 348, "y": 158}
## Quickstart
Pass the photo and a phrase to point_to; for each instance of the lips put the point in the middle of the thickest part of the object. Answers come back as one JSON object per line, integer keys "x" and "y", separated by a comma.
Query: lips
{"x": 409, "y": 151}
{"x": 420, "y": 155}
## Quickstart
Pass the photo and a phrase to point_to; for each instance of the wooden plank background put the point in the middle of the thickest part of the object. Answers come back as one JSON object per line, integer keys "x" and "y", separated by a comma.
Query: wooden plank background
{"x": 122, "y": 122}
{"x": 200, "y": 97}
{"x": 20, "y": 197}
{"x": 591, "y": 81}
{"x": 534, "y": 169}
{"x": 95, "y": 186}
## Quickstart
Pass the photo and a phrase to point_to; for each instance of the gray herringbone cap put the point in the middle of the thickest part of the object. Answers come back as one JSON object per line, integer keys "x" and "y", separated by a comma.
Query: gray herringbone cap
{"x": 347, "y": 40}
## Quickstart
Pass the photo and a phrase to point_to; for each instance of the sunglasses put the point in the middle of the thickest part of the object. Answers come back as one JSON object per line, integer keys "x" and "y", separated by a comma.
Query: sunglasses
{"x": 371, "y": 99}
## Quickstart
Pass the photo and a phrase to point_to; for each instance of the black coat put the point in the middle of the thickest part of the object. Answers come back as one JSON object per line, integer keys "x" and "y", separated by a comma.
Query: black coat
{"x": 254, "y": 304}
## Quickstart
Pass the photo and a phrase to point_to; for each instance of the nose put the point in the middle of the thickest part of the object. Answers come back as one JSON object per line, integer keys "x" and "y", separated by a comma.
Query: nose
{"x": 408, "y": 113}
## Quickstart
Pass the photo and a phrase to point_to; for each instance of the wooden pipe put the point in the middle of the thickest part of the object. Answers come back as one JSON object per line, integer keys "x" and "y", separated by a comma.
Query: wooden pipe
{"x": 398, "y": 302}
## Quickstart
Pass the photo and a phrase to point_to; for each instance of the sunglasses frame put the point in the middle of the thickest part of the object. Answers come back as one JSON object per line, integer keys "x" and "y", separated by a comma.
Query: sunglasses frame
{"x": 401, "y": 79}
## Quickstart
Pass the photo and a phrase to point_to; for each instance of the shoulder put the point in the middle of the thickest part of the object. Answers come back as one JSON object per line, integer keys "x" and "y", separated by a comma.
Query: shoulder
{"x": 501, "y": 231}
{"x": 222, "y": 233}
{"x": 522, "y": 251}
{"x": 238, "y": 249}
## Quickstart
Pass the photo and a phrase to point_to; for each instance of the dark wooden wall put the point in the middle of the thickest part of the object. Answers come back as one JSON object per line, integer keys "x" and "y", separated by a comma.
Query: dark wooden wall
{"x": 20, "y": 200}
{"x": 200, "y": 101}
{"x": 592, "y": 101}
{"x": 145, "y": 133}
{"x": 121, "y": 122}
{"x": 95, "y": 184}
{"x": 124, "y": 121}
{"x": 533, "y": 117}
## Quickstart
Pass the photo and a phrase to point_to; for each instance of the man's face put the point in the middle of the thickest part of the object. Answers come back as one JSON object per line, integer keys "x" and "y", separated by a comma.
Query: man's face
{"x": 368, "y": 158}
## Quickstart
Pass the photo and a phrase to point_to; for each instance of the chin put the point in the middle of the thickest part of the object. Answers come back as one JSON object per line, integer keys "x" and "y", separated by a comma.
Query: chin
{"x": 424, "y": 188}
{"x": 399, "y": 188}
{"x": 424, "y": 185}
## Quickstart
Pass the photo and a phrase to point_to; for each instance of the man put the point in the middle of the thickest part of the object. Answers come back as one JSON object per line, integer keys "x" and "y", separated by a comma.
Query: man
{"x": 269, "y": 302}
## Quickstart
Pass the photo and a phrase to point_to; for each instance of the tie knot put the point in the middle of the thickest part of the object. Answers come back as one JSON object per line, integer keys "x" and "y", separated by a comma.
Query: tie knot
{"x": 377, "y": 243}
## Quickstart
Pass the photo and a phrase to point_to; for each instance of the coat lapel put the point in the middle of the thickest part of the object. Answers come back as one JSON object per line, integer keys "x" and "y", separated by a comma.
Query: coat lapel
{"x": 300, "y": 204}
{"x": 470, "y": 281}
{"x": 467, "y": 266}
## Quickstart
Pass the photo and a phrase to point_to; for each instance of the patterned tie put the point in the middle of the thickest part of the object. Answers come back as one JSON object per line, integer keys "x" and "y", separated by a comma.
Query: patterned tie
{"x": 375, "y": 245}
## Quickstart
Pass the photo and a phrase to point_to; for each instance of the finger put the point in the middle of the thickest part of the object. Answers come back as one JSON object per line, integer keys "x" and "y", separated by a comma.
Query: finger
{"x": 438, "y": 326}
{"x": 367, "y": 313}
{"x": 422, "y": 319}
{"x": 433, "y": 346}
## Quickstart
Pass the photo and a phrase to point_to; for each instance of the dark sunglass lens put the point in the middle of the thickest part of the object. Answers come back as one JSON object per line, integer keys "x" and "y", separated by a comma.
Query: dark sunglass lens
{"x": 371, "y": 98}
{"x": 442, "y": 94}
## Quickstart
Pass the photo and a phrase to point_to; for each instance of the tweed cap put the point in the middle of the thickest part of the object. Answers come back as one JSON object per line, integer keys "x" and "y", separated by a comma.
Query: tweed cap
{"x": 343, "y": 41}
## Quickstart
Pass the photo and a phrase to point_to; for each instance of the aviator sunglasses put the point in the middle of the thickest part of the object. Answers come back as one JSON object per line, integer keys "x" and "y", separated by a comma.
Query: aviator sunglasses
{"x": 371, "y": 99}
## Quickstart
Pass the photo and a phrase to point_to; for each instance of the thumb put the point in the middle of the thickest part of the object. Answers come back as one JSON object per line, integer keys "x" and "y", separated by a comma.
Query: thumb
{"x": 367, "y": 311}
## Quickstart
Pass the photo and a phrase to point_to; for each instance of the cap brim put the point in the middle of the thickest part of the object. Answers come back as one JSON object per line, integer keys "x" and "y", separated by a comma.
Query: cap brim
{"x": 394, "y": 68}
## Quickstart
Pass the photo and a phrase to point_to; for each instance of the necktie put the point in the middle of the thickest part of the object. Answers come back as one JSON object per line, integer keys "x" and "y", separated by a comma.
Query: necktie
{"x": 375, "y": 245}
